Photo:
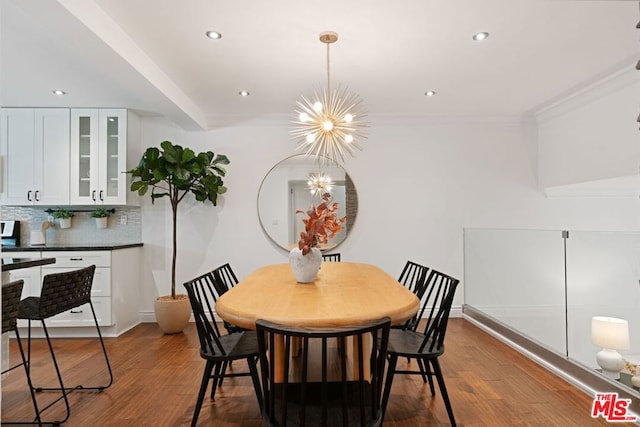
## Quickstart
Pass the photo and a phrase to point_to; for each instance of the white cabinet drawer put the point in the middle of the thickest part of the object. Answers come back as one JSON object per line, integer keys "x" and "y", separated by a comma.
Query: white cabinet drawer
{"x": 26, "y": 254}
{"x": 81, "y": 316}
{"x": 101, "y": 279}
{"x": 79, "y": 259}
{"x": 32, "y": 282}
{"x": 78, "y": 317}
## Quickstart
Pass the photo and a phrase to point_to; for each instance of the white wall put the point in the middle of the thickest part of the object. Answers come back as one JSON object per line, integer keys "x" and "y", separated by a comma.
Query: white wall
{"x": 419, "y": 184}
{"x": 592, "y": 135}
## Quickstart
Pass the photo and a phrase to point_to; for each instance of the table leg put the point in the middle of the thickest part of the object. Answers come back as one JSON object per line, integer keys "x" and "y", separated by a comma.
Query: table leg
{"x": 367, "y": 344}
{"x": 296, "y": 346}
{"x": 278, "y": 350}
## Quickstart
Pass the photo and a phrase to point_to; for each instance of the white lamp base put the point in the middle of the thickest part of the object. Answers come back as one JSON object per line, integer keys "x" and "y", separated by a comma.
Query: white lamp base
{"x": 611, "y": 363}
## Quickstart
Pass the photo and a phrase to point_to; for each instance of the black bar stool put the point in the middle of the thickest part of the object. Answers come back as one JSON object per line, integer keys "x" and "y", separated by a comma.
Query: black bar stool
{"x": 62, "y": 292}
{"x": 10, "y": 303}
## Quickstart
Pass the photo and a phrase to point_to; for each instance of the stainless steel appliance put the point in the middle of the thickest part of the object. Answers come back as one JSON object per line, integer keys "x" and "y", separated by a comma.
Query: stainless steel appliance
{"x": 10, "y": 233}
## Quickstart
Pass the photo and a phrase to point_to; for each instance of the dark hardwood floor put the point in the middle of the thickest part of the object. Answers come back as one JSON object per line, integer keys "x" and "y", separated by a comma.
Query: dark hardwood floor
{"x": 157, "y": 378}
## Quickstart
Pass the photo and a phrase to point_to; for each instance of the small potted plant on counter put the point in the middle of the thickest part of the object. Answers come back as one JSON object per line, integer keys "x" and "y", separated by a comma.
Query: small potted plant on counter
{"x": 101, "y": 215}
{"x": 63, "y": 216}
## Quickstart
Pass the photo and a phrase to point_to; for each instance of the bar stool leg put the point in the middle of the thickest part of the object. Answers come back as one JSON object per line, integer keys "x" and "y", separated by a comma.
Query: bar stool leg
{"x": 25, "y": 364}
{"x": 27, "y": 370}
{"x": 39, "y": 389}
{"x": 104, "y": 352}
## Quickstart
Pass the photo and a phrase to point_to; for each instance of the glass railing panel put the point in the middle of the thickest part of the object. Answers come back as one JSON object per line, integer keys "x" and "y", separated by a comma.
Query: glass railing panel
{"x": 603, "y": 273}
{"x": 517, "y": 278}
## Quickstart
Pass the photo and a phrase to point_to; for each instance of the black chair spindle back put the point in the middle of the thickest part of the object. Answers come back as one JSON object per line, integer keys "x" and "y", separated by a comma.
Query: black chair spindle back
{"x": 334, "y": 399}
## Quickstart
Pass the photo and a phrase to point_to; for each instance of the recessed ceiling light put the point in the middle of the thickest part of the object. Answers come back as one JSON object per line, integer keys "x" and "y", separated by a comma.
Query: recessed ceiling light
{"x": 213, "y": 35}
{"x": 430, "y": 93}
{"x": 59, "y": 92}
{"x": 244, "y": 93}
{"x": 480, "y": 36}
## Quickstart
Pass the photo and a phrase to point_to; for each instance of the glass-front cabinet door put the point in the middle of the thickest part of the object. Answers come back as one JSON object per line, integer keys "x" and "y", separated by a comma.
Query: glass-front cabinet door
{"x": 112, "y": 149}
{"x": 98, "y": 156}
{"x": 84, "y": 156}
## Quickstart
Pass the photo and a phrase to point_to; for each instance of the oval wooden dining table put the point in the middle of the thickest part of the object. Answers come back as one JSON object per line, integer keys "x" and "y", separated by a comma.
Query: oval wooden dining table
{"x": 343, "y": 294}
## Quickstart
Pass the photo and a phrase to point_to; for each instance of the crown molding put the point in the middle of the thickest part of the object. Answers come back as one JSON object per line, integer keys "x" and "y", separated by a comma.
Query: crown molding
{"x": 227, "y": 120}
{"x": 614, "y": 82}
{"x": 619, "y": 187}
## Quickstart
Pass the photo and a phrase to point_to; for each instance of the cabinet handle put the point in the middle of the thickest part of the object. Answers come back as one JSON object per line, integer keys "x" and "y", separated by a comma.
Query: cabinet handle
{"x": 29, "y": 196}
{"x": 93, "y": 195}
{"x": 76, "y": 311}
{"x": 36, "y": 195}
{"x": 75, "y": 259}
{"x": 101, "y": 199}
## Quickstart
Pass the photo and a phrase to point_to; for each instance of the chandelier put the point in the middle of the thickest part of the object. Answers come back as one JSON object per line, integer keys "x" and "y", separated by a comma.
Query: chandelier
{"x": 319, "y": 183}
{"x": 330, "y": 124}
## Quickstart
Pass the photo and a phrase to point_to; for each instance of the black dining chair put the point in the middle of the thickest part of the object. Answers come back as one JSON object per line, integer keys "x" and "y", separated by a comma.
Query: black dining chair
{"x": 62, "y": 292}
{"x": 333, "y": 398}
{"x": 335, "y": 257}
{"x": 10, "y": 303}
{"x": 414, "y": 278}
{"x": 219, "y": 350}
{"x": 225, "y": 279}
{"x": 220, "y": 280}
{"x": 428, "y": 345}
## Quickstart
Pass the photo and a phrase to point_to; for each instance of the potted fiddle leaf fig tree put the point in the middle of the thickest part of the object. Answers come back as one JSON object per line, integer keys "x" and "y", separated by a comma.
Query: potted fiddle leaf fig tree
{"x": 174, "y": 172}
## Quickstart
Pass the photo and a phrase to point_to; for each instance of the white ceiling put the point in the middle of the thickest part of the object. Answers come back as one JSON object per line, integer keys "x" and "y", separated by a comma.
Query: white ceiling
{"x": 153, "y": 56}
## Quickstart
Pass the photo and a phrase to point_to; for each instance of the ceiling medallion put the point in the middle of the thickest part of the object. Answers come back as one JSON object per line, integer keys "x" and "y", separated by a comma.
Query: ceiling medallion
{"x": 330, "y": 124}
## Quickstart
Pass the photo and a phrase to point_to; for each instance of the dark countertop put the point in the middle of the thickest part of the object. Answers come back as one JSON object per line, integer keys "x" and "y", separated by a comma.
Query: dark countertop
{"x": 71, "y": 247}
{"x": 9, "y": 264}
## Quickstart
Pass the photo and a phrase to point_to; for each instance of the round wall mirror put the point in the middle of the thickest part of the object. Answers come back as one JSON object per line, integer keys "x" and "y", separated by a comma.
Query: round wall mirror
{"x": 285, "y": 189}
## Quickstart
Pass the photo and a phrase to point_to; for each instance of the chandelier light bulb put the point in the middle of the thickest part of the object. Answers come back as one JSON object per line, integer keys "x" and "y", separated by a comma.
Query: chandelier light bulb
{"x": 348, "y": 118}
{"x": 317, "y": 107}
{"x": 348, "y": 139}
{"x": 311, "y": 138}
{"x": 327, "y": 125}
{"x": 304, "y": 117}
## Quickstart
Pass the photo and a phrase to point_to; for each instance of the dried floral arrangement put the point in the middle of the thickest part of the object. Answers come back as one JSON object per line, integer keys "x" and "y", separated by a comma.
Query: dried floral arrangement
{"x": 321, "y": 224}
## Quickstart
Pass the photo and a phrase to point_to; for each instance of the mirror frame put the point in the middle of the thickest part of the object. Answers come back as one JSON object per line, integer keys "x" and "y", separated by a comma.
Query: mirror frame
{"x": 351, "y": 201}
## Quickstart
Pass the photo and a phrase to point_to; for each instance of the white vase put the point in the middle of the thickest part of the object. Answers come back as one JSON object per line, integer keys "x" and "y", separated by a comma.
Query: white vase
{"x": 65, "y": 222}
{"x": 305, "y": 267}
{"x": 101, "y": 222}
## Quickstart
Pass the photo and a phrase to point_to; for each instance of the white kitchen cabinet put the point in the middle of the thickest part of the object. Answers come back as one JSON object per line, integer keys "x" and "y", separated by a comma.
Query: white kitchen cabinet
{"x": 34, "y": 145}
{"x": 98, "y": 157}
{"x": 69, "y": 261}
{"x": 114, "y": 293}
{"x": 31, "y": 276}
{"x": 100, "y": 290}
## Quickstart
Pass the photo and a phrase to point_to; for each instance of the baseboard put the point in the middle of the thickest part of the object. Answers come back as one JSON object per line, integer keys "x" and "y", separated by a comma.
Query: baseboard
{"x": 147, "y": 317}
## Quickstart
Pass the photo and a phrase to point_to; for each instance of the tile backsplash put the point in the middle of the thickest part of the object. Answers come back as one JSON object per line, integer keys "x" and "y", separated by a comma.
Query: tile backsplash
{"x": 83, "y": 228}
